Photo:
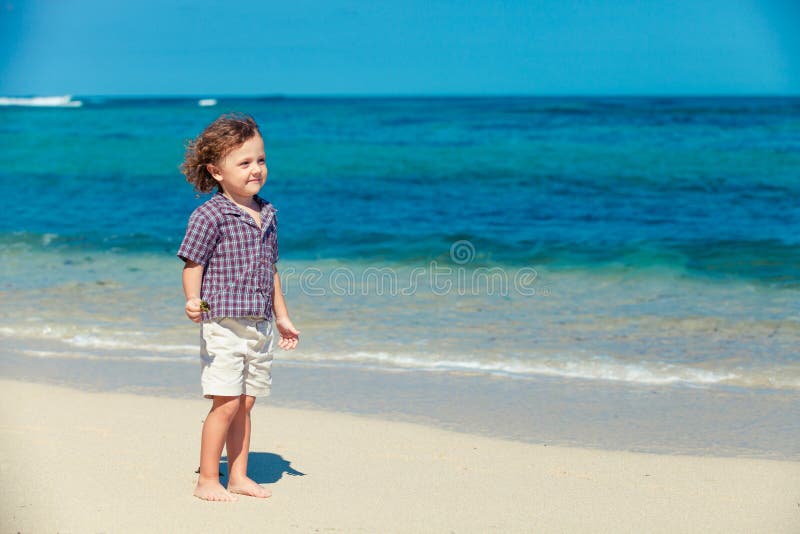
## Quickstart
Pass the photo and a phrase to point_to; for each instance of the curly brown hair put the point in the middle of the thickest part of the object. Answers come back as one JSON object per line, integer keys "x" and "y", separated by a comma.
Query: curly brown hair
{"x": 226, "y": 133}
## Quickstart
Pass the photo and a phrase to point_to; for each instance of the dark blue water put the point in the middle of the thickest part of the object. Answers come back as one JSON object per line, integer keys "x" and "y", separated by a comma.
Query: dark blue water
{"x": 708, "y": 184}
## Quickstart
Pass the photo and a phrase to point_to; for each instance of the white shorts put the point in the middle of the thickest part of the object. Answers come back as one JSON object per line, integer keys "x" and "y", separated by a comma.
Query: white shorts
{"x": 236, "y": 357}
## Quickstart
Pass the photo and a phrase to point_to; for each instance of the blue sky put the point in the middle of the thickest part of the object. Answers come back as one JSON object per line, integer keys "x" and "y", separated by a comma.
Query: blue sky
{"x": 318, "y": 47}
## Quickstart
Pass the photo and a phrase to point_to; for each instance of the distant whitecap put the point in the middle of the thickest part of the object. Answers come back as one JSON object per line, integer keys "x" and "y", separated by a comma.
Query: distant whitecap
{"x": 42, "y": 101}
{"x": 207, "y": 102}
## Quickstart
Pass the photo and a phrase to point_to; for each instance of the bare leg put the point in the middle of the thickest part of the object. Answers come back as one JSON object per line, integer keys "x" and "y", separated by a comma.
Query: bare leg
{"x": 238, "y": 446}
{"x": 215, "y": 428}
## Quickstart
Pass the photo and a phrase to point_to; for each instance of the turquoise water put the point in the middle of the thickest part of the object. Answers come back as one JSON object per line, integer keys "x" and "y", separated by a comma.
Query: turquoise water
{"x": 638, "y": 240}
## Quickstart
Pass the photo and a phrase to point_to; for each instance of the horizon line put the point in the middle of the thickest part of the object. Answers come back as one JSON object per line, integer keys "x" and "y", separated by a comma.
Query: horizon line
{"x": 403, "y": 95}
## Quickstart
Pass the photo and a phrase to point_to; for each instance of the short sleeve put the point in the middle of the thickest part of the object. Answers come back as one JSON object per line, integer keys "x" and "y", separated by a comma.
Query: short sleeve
{"x": 200, "y": 240}
{"x": 275, "y": 245}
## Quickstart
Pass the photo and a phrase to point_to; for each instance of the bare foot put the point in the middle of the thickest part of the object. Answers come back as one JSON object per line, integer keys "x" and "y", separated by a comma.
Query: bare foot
{"x": 212, "y": 490}
{"x": 248, "y": 486}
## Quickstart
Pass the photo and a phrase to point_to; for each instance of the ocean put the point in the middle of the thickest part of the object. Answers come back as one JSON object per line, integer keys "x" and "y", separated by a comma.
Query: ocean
{"x": 615, "y": 242}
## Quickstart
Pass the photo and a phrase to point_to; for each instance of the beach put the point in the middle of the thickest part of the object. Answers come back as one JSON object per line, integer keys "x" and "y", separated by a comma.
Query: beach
{"x": 517, "y": 314}
{"x": 78, "y": 461}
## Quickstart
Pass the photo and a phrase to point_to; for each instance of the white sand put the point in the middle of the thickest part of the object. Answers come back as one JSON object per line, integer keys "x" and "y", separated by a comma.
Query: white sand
{"x": 106, "y": 462}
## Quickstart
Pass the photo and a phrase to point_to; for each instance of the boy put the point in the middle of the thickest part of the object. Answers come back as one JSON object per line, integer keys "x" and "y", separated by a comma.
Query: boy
{"x": 230, "y": 250}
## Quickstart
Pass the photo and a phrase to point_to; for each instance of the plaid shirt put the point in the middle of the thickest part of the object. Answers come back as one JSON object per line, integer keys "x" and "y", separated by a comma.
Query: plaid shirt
{"x": 238, "y": 257}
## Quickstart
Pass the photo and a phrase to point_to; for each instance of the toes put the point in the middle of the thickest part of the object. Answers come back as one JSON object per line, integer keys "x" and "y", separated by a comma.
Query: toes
{"x": 215, "y": 494}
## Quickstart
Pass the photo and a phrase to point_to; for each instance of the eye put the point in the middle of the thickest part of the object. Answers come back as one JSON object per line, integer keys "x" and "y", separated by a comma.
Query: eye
{"x": 244, "y": 163}
{"x": 262, "y": 161}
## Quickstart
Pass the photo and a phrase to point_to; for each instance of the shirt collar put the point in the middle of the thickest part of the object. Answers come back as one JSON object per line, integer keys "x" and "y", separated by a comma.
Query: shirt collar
{"x": 226, "y": 205}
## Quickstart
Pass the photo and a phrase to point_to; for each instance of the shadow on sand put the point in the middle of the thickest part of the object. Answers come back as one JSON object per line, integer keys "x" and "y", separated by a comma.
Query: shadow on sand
{"x": 263, "y": 467}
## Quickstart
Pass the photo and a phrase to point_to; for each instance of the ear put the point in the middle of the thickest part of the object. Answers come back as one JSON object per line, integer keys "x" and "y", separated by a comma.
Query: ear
{"x": 214, "y": 172}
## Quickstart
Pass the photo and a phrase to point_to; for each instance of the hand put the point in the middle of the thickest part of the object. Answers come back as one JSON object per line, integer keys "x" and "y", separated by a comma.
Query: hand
{"x": 289, "y": 334}
{"x": 193, "y": 310}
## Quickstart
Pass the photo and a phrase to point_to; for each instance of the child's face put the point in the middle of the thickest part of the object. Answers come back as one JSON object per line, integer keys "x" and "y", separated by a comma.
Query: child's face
{"x": 243, "y": 171}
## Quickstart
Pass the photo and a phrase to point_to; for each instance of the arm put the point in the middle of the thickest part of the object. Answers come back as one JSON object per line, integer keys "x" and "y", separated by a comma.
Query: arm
{"x": 289, "y": 334}
{"x": 192, "y": 280}
{"x": 197, "y": 247}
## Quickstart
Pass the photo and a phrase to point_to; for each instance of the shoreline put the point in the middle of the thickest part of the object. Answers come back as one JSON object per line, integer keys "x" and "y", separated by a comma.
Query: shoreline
{"x": 105, "y": 461}
{"x": 600, "y": 415}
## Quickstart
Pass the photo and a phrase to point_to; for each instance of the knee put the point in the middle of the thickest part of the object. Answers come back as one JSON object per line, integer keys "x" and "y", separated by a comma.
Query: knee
{"x": 226, "y": 406}
{"x": 247, "y": 403}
